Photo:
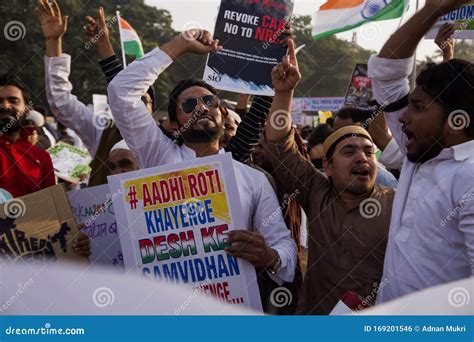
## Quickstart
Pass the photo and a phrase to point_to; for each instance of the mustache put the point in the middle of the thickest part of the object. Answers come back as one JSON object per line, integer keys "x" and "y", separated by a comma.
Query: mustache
{"x": 8, "y": 111}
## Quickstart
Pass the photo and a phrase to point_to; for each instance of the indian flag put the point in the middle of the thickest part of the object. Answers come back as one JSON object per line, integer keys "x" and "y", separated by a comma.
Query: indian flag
{"x": 342, "y": 15}
{"x": 131, "y": 43}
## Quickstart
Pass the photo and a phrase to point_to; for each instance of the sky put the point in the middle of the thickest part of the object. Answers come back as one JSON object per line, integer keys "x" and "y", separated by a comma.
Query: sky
{"x": 202, "y": 13}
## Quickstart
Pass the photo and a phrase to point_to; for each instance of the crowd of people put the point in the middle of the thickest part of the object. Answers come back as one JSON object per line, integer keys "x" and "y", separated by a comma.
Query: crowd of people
{"x": 308, "y": 196}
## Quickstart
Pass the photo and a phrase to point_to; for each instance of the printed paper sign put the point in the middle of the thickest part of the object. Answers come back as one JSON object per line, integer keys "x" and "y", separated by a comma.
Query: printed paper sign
{"x": 250, "y": 33}
{"x": 463, "y": 20}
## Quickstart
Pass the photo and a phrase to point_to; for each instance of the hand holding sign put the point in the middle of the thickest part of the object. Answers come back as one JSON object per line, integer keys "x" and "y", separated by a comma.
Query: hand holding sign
{"x": 445, "y": 40}
{"x": 251, "y": 246}
{"x": 193, "y": 41}
{"x": 81, "y": 245}
{"x": 286, "y": 75}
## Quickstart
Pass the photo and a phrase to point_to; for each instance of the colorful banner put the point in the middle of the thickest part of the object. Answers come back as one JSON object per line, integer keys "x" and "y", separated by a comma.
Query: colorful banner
{"x": 250, "y": 34}
{"x": 95, "y": 216}
{"x": 336, "y": 16}
{"x": 173, "y": 222}
{"x": 314, "y": 104}
{"x": 38, "y": 227}
{"x": 463, "y": 20}
{"x": 359, "y": 90}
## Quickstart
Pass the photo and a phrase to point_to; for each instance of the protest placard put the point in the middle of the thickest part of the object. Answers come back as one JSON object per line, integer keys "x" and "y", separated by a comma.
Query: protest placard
{"x": 463, "y": 20}
{"x": 173, "y": 222}
{"x": 38, "y": 227}
{"x": 69, "y": 162}
{"x": 94, "y": 213}
{"x": 250, "y": 33}
{"x": 359, "y": 91}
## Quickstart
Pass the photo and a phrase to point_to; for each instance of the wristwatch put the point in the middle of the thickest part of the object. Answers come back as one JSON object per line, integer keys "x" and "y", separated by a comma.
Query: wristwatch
{"x": 275, "y": 268}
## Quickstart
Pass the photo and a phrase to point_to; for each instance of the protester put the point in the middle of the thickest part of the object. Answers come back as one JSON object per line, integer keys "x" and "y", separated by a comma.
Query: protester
{"x": 231, "y": 122}
{"x": 315, "y": 144}
{"x": 431, "y": 237}
{"x": 195, "y": 114}
{"x": 351, "y": 116}
{"x": 346, "y": 245}
{"x": 97, "y": 134}
{"x": 121, "y": 159}
{"x": 24, "y": 168}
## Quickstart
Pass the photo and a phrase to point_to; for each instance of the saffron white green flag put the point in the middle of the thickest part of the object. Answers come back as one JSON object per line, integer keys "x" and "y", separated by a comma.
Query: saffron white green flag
{"x": 131, "y": 43}
{"x": 342, "y": 15}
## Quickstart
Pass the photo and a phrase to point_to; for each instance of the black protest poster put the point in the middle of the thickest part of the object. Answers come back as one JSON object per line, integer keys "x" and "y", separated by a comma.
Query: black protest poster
{"x": 359, "y": 90}
{"x": 250, "y": 32}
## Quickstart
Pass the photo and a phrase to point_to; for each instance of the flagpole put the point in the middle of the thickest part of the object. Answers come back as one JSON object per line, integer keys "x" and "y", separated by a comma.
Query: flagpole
{"x": 121, "y": 42}
{"x": 413, "y": 75}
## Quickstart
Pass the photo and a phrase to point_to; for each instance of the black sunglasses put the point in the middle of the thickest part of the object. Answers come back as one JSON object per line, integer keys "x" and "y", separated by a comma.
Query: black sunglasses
{"x": 210, "y": 101}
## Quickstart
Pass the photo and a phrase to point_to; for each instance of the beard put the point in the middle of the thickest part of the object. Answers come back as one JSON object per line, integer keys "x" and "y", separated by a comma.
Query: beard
{"x": 199, "y": 134}
{"x": 424, "y": 154}
{"x": 11, "y": 123}
{"x": 207, "y": 135}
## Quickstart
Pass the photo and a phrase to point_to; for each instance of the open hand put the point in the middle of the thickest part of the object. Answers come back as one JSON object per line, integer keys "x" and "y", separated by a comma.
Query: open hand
{"x": 52, "y": 23}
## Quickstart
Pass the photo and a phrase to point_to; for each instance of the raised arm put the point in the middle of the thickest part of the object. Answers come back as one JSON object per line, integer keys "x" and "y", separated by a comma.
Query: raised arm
{"x": 293, "y": 172}
{"x": 285, "y": 77}
{"x": 66, "y": 107}
{"x": 403, "y": 42}
{"x": 389, "y": 70}
{"x": 136, "y": 125}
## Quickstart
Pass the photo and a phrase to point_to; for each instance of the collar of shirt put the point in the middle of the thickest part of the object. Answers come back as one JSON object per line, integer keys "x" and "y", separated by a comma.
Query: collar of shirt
{"x": 458, "y": 152}
{"x": 189, "y": 151}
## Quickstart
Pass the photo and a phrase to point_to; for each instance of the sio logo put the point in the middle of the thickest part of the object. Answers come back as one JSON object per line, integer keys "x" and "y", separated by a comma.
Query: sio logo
{"x": 214, "y": 78}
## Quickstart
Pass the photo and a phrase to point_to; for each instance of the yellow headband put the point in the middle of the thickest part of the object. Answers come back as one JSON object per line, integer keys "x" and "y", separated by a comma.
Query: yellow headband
{"x": 344, "y": 132}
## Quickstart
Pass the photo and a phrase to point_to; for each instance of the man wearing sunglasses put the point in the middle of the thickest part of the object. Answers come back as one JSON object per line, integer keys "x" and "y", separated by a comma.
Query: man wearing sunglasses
{"x": 195, "y": 114}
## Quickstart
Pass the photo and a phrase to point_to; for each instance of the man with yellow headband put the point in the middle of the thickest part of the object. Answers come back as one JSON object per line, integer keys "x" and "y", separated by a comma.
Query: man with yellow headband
{"x": 348, "y": 215}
